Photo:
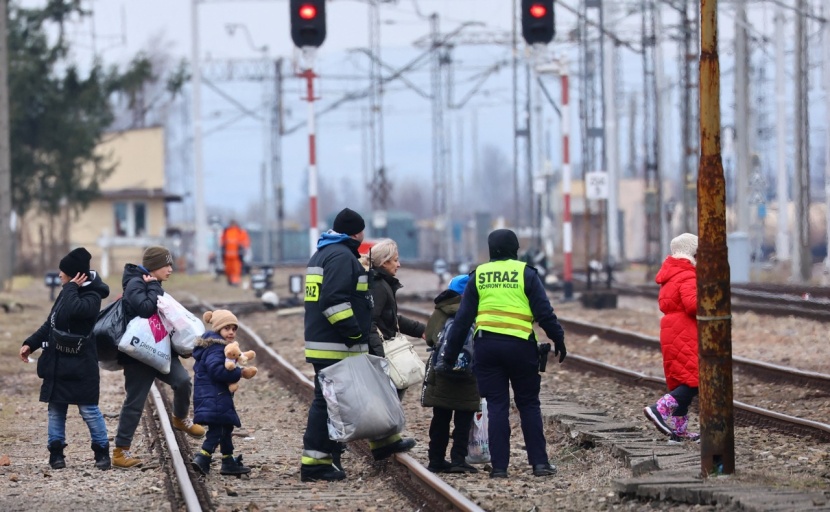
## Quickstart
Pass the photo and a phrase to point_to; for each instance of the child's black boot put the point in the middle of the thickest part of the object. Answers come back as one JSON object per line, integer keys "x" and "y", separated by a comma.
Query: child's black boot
{"x": 233, "y": 466}
{"x": 201, "y": 463}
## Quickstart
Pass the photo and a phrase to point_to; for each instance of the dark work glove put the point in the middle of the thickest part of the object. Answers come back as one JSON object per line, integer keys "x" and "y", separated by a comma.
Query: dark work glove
{"x": 352, "y": 341}
{"x": 559, "y": 349}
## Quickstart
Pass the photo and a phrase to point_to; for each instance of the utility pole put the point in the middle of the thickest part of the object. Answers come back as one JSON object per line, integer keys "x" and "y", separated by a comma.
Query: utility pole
{"x": 742, "y": 132}
{"x": 801, "y": 249}
{"x": 200, "y": 255}
{"x": 653, "y": 184}
{"x": 438, "y": 141}
{"x": 277, "y": 131}
{"x": 782, "y": 239}
{"x": 826, "y": 69}
{"x": 6, "y": 234}
{"x": 515, "y": 68}
{"x": 717, "y": 422}
{"x": 610, "y": 141}
{"x": 380, "y": 185}
{"x": 688, "y": 115}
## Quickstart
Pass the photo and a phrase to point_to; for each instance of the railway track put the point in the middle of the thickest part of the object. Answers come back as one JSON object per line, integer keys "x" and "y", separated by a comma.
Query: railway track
{"x": 746, "y": 414}
{"x": 273, "y": 420}
{"x": 758, "y": 299}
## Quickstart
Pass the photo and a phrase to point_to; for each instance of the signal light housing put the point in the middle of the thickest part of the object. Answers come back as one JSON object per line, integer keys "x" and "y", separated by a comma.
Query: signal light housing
{"x": 538, "y": 21}
{"x": 308, "y": 22}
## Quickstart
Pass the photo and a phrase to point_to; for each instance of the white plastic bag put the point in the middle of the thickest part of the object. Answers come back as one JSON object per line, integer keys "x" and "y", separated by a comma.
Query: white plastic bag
{"x": 147, "y": 340}
{"x": 361, "y": 400}
{"x": 183, "y": 326}
{"x": 478, "y": 448}
{"x": 405, "y": 366}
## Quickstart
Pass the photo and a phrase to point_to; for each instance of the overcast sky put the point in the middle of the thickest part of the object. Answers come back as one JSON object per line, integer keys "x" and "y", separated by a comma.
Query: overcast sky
{"x": 124, "y": 27}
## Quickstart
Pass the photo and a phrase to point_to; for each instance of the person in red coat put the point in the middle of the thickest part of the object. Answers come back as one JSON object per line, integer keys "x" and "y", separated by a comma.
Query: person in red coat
{"x": 678, "y": 339}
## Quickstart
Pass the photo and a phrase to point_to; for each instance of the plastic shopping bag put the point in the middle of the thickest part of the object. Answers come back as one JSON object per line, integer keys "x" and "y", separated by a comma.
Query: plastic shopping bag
{"x": 108, "y": 329}
{"x": 147, "y": 340}
{"x": 183, "y": 325}
{"x": 362, "y": 401}
{"x": 478, "y": 448}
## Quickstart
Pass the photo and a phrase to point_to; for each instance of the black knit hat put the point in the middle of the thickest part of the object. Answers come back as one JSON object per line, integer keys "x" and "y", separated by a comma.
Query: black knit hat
{"x": 156, "y": 257}
{"x": 503, "y": 243}
{"x": 348, "y": 222}
{"x": 76, "y": 262}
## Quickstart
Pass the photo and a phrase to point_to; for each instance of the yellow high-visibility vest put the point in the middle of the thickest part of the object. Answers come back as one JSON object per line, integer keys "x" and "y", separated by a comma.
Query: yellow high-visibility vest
{"x": 502, "y": 304}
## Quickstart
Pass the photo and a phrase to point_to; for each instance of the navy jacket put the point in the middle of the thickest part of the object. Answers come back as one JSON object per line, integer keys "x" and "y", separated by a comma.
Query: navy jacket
{"x": 71, "y": 379}
{"x": 212, "y": 400}
{"x": 539, "y": 305}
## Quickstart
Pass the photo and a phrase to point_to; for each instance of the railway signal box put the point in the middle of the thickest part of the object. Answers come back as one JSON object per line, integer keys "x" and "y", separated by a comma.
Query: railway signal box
{"x": 308, "y": 22}
{"x": 538, "y": 21}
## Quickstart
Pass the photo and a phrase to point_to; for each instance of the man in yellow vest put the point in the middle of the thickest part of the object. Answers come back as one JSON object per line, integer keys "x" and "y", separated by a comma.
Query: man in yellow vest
{"x": 504, "y": 298}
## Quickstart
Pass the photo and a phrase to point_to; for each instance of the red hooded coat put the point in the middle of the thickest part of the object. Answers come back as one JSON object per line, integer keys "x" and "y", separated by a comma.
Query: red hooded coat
{"x": 678, "y": 327}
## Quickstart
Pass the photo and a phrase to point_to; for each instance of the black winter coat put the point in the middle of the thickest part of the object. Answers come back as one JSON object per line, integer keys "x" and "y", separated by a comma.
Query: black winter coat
{"x": 212, "y": 400}
{"x": 139, "y": 299}
{"x": 71, "y": 378}
{"x": 385, "y": 315}
{"x": 457, "y": 393}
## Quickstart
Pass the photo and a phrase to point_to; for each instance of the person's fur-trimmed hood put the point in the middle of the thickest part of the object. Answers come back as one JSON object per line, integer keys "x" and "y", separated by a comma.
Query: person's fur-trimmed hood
{"x": 210, "y": 338}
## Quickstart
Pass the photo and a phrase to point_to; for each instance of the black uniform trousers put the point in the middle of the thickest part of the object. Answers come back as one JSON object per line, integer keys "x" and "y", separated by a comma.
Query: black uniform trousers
{"x": 500, "y": 363}
{"x": 316, "y": 435}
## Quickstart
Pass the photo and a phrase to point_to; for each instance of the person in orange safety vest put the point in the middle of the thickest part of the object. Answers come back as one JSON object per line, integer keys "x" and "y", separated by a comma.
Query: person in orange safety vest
{"x": 235, "y": 244}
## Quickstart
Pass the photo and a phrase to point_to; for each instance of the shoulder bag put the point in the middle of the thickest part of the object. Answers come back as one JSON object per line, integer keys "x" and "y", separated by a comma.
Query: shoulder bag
{"x": 63, "y": 341}
{"x": 405, "y": 366}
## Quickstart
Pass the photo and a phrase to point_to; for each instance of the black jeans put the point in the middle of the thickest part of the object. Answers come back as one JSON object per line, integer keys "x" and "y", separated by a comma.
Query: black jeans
{"x": 439, "y": 434}
{"x": 219, "y": 434}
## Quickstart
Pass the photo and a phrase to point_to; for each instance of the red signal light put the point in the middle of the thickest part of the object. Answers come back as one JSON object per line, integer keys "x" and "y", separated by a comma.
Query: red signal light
{"x": 308, "y": 12}
{"x": 538, "y": 10}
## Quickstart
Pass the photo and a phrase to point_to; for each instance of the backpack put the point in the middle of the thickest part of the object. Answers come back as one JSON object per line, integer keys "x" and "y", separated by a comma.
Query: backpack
{"x": 463, "y": 365}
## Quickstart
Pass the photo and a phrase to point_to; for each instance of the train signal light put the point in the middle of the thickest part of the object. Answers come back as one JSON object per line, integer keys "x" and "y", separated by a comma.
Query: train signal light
{"x": 308, "y": 22}
{"x": 538, "y": 21}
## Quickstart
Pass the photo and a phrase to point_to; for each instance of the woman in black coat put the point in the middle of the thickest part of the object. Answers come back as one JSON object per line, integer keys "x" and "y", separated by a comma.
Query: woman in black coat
{"x": 69, "y": 367}
{"x": 386, "y": 321}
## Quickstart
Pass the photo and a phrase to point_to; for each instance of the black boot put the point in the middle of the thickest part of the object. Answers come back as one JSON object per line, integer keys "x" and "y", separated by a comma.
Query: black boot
{"x": 322, "y": 472}
{"x": 337, "y": 453}
{"x": 399, "y": 446}
{"x": 102, "y": 456}
{"x": 56, "y": 458}
{"x": 233, "y": 466}
{"x": 201, "y": 463}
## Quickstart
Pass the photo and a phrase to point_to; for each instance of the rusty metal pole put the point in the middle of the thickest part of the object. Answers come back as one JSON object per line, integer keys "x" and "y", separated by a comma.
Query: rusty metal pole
{"x": 714, "y": 318}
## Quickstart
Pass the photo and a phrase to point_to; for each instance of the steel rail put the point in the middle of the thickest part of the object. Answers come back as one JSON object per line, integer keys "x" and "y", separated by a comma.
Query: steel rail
{"x": 191, "y": 500}
{"x": 423, "y": 477}
{"x": 747, "y": 414}
{"x": 762, "y": 369}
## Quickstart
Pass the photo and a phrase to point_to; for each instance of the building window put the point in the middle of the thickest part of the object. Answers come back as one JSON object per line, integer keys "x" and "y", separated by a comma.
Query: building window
{"x": 130, "y": 219}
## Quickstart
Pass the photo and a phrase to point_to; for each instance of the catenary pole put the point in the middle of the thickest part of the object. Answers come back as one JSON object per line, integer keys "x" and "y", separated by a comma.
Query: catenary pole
{"x": 782, "y": 239}
{"x": 200, "y": 257}
{"x": 7, "y": 254}
{"x": 567, "y": 229}
{"x": 714, "y": 320}
{"x": 313, "y": 231}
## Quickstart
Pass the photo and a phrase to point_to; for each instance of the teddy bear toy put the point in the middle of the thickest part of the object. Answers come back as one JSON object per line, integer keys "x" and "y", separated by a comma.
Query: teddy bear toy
{"x": 234, "y": 357}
